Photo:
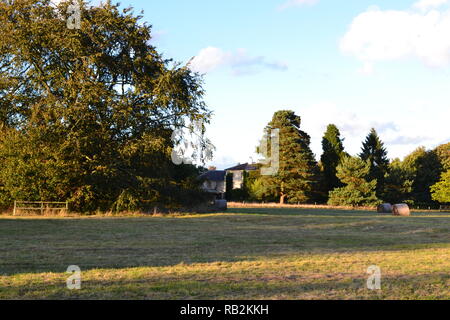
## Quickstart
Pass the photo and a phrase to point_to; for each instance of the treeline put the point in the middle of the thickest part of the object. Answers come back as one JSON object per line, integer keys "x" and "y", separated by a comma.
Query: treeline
{"x": 87, "y": 115}
{"x": 422, "y": 178}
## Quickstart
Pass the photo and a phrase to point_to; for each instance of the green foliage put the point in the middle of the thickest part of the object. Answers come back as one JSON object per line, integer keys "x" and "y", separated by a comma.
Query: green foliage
{"x": 87, "y": 115}
{"x": 126, "y": 201}
{"x": 257, "y": 190}
{"x": 238, "y": 195}
{"x": 229, "y": 186}
{"x": 443, "y": 153}
{"x": 181, "y": 195}
{"x": 398, "y": 184}
{"x": 298, "y": 174}
{"x": 373, "y": 150}
{"x": 410, "y": 180}
{"x": 261, "y": 190}
{"x": 441, "y": 190}
{"x": 424, "y": 168}
{"x": 354, "y": 173}
{"x": 246, "y": 192}
{"x": 333, "y": 152}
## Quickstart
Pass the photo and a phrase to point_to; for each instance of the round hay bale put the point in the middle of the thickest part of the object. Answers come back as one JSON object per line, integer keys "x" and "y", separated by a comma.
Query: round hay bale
{"x": 401, "y": 210}
{"x": 221, "y": 204}
{"x": 385, "y": 208}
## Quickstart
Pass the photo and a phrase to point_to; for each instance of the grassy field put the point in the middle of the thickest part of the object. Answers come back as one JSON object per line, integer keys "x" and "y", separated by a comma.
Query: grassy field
{"x": 246, "y": 253}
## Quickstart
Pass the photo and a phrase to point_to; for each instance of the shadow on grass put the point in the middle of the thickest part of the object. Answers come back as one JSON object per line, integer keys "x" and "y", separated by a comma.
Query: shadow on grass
{"x": 51, "y": 245}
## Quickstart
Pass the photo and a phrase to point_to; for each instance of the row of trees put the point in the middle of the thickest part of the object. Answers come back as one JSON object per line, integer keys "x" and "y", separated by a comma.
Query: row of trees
{"x": 88, "y": 115}
{"x": 370, "y": 178}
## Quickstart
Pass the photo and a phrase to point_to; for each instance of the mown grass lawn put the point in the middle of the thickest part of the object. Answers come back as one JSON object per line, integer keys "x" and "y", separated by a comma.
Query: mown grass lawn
{"x": 245, "y": 253}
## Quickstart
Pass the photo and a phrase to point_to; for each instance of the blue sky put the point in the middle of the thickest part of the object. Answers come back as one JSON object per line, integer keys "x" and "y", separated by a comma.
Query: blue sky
{"x": 356, "y": 63}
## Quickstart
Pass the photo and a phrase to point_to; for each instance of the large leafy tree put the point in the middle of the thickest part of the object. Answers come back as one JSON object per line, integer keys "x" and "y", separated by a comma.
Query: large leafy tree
{"x": 373, "y": 150}
{"x": 88, "y": 114}
{"x": 443, "y": 153}
{"x": 441, "y": 190}
{"x": 425, "y": 168}
{"x": 359, "y": 189}
{"x": 333, "y": 152}
{"x": 398, "y": 183}
{"x": 410, "y": 180}
{"x": 297, "y": 177}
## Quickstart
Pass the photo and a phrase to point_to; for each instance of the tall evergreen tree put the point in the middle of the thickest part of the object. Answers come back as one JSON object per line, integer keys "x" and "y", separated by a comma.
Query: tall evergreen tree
{"x": 373, "y": 150}
{"x": 333, "y": 151}
{"x": 297, "y": 176}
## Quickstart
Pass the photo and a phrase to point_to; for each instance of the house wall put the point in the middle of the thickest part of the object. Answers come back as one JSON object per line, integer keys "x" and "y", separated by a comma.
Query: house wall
{"x": 238, "y": 179}
{"x": 219, "y": 186}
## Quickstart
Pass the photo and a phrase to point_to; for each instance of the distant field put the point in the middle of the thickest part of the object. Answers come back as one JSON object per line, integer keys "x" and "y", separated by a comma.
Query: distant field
{"x": 246, "y": 253}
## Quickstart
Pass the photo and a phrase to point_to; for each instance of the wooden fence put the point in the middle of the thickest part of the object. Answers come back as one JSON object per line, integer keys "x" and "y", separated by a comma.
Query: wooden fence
{"x": 41, "y": 206}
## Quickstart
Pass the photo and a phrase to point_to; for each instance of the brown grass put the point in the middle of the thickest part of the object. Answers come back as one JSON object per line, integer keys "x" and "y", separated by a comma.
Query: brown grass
{"x": 315, "y": 206}
{"x": 296, "y": 206}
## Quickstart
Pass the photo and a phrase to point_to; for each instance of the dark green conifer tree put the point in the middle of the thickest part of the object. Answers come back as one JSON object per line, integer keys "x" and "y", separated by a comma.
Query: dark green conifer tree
{"x": 333, "y": 151}
{"x": 297, "y": 177}
{"x": 373, "y": 150}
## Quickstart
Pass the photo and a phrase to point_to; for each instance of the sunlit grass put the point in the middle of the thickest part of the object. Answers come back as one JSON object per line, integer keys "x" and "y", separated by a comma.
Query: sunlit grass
{"x": 246, "y": 253}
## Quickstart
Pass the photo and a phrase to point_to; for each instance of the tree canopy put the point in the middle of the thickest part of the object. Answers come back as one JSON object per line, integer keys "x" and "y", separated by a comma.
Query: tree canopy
{"x": 88, "y": 114}
{"x": 443, "y": 153}
{"x": 398, "y": 183}
{"x": 424, "y": 168}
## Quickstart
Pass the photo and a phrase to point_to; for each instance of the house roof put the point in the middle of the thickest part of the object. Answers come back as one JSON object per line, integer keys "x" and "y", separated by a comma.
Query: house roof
{"x": 214, "y": 175}
{"x": 242, "y": 167}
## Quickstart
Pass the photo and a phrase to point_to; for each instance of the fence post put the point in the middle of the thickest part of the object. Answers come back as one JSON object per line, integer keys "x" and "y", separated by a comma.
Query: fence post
{"x": 42, "y": 208}
{"x": 15, "y": 205}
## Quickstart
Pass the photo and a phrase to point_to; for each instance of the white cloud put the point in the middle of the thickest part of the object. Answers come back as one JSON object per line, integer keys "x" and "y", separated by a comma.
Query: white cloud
{"x": 212, "y": 58}
{"x": 379, "y": 35}
{"x": 427, "y": 4}
{"x": 412, "y": 140}
{"x": 209, "y": 59}
{"x": 297, "y": 3}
